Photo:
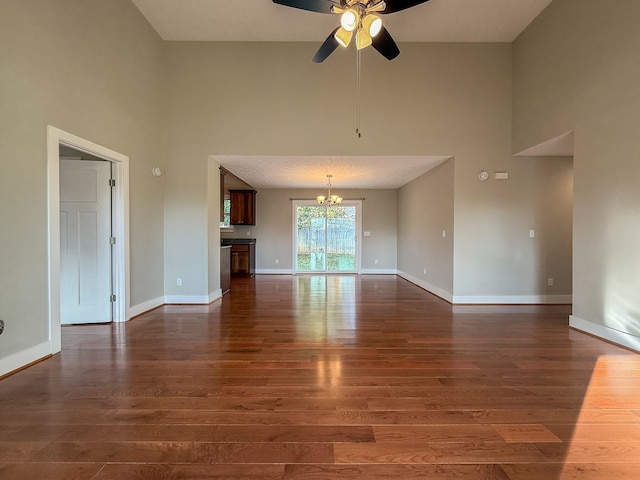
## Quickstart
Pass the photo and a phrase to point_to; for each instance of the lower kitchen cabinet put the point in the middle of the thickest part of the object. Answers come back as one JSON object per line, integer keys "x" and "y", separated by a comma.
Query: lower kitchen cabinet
{"x": 243, "y": 259}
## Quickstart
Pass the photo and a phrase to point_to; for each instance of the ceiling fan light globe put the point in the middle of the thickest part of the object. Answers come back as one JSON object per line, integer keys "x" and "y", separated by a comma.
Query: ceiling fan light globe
{"x": 349, "y": 20}
{"x": 320, "y": 199}
{"x": 343, "y": 37}
{"x": 372, "y": 24}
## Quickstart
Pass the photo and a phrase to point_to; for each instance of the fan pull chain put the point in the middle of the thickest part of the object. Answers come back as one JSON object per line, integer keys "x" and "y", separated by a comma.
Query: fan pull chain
{"x": 358, "y": 75}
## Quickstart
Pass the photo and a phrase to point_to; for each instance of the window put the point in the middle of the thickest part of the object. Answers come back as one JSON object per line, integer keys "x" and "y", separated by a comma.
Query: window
{"x": 326, "y": 238}
{"x": 226, "y": 222}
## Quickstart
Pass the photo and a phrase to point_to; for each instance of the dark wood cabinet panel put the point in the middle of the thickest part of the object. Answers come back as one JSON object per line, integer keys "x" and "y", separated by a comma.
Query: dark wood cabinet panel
{"x": 243, "y": 259}
{"x": 243, "y": 207}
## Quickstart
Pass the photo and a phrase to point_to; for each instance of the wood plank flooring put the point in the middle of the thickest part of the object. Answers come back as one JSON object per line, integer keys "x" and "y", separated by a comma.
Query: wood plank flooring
{"x": 315, "y": 377}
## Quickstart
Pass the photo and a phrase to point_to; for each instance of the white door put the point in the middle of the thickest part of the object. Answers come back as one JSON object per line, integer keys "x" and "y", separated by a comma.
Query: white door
{"x": 85, "y": 247}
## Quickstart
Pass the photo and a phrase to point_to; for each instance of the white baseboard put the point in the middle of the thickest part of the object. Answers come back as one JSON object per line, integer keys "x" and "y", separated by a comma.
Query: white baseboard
{"x": 186, "y": 299}
{"x": 364, "y": 271}
{"x": 427, "y": 286}
{"x": 143, "y": 307}
{"x": 274, "y": 271}
{"x": 24, "y": 357}
{"x": 606, "y": 333}
{"x": 215, "y": 295}
{"x": 512, "y": 299}
{"x": 378, "y": 271}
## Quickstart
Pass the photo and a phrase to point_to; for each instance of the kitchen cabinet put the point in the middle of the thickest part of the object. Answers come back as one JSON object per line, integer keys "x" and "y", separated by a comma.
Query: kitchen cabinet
{"x": 243, "y": 259}
{"x": 243, "y": 207}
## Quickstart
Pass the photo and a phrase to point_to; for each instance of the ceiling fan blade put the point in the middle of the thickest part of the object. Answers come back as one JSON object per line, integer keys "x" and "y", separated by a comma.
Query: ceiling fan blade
{"x": 320, "y": 6}
{"x": 386, "y": 45}
{"x": 398, "y": 5}
{"x": 327, "y": 48}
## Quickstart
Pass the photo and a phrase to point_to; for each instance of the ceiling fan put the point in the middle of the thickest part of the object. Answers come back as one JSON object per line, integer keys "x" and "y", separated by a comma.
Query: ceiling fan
{"x": 359, "y": 18}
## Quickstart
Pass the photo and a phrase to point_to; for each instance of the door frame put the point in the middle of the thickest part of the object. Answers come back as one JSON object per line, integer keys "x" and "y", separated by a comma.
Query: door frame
{"x": 294, "y": 244}
{"x": 120, "y": 225}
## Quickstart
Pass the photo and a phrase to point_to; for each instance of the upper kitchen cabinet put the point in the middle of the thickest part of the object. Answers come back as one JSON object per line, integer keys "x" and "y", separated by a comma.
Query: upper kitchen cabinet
{"x": 243, "y": 207}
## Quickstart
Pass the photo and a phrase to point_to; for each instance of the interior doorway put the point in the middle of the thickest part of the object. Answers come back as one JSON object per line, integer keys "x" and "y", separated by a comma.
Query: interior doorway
{"x": 86, "y": 293}
{"x": 327, "y": 239}
{"x": 119, "y": 164}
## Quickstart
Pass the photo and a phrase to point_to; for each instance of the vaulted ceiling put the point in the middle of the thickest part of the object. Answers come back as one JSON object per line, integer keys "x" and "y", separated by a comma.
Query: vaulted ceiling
{"x": 264, "y": 21}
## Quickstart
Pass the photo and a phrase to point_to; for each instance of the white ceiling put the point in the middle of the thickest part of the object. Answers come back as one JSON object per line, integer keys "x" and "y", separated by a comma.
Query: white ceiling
{"x": 264, "y": 21}
{"x": 375, "y": 172}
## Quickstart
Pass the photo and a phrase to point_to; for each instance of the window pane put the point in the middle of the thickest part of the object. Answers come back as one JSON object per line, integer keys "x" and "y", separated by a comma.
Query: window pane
{"x": 341, "y": 239}
{"x": 311, "y": 239}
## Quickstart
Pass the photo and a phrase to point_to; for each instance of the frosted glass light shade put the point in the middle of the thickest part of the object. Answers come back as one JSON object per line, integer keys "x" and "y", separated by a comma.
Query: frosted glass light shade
{"x": 363, "y": 39}
{"x": 372, "y": 24}
{"x": 343, "y": 37}
{"x": 349, "y": 20}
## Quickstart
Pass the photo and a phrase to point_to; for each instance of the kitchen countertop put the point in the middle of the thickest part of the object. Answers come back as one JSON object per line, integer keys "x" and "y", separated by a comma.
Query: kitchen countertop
{"x": 237, "y": 241}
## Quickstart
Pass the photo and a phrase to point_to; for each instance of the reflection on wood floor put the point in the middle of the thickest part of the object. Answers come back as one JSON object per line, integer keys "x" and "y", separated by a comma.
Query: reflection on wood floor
{"x": 315, "y": 377}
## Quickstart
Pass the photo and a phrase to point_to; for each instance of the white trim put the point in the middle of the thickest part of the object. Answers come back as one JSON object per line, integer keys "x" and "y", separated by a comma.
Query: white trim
{"x": 55, "y": 138}
{"x": 24, "y": 357}
{"x": 606, "y": 333}
{"x": 378, "y": 271}
{"x": 439, "y": 292}
{"x": 143, "y": 307}
{"x": 512, "y": 299}
{"x": 274, "y": 271}
{"x": 186, "y": 300}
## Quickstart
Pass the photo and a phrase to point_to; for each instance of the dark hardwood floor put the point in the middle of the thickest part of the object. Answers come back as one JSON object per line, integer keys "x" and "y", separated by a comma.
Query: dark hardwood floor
{"x": 315, "y": 377}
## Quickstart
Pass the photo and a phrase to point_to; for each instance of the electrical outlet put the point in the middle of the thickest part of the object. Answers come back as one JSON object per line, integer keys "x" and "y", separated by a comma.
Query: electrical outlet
{"x": 277, "y": 261}
{"x": 424, "y": 271}
{"x": 248, "y": 233}
{"x": 532, "y": 233}
{"x": 179, "y": 281}
{"x": 1, "y": 326}
{"x": 375, "y": 261}
{"x": 549, "y": 282}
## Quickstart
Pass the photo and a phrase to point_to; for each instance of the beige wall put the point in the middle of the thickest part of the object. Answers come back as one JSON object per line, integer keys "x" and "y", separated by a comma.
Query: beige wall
{"x": 576, "y": 67}
{"x": 269, "y": 99}
{"x": 274, "y": 228}
{"x": 425, "y": 210}
{"x": 495, "y": 256}
{"x": 91, "y": 68}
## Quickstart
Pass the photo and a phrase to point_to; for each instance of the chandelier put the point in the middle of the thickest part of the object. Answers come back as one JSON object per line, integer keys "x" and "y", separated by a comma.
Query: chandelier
{"x": 329, "y": 200}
